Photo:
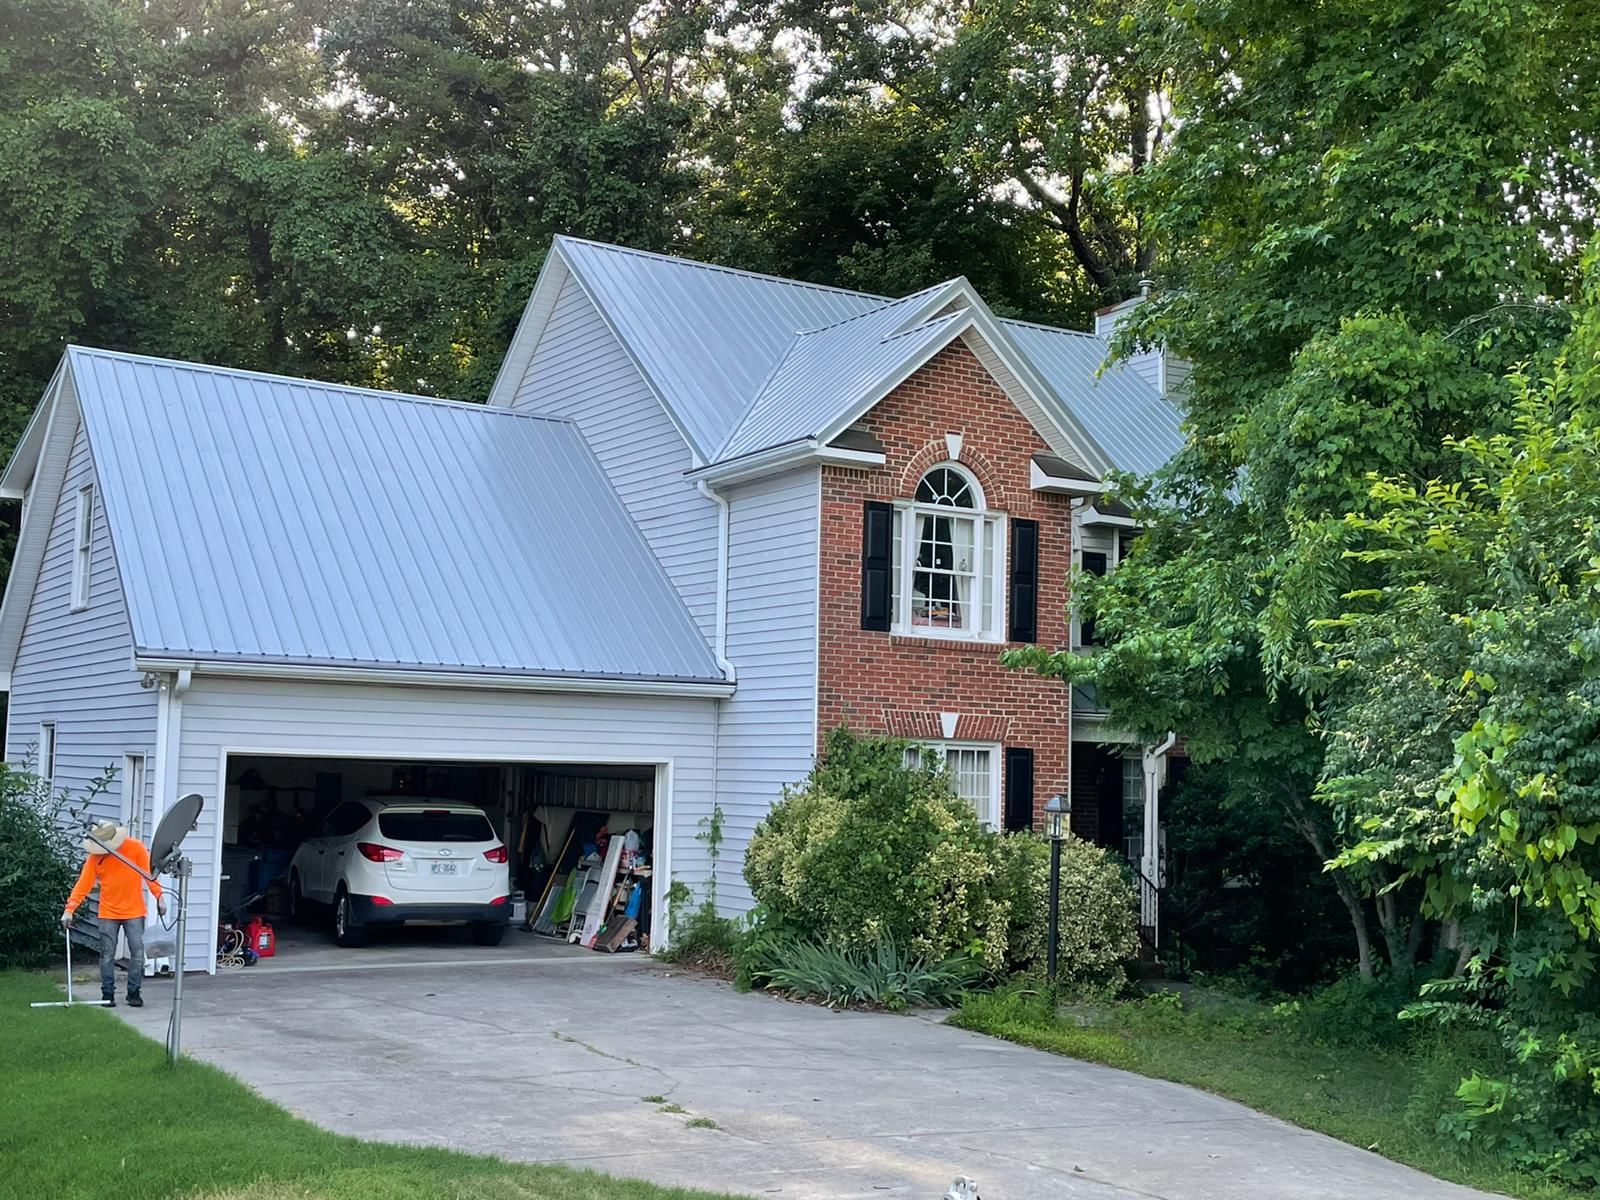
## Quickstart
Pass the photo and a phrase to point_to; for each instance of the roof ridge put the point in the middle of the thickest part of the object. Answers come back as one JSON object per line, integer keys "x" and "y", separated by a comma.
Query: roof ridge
{"x": 306, "y": 381}
{"x": 680, "y": 260}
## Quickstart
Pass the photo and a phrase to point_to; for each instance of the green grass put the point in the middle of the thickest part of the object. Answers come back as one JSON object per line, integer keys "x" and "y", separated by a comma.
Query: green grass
{"x": 1384, "y": 1092}
{"x": 89, "y": 1109}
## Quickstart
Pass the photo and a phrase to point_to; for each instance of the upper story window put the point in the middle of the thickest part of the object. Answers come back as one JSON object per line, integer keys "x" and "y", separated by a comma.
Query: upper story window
{"x": 82, "y": 548}
{"x": 948, "y": 560}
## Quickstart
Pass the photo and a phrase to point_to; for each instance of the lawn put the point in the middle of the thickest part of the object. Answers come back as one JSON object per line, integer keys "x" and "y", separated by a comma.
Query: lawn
{"x": 1358, "y": 1076}
{"x": 90, "y": 1110}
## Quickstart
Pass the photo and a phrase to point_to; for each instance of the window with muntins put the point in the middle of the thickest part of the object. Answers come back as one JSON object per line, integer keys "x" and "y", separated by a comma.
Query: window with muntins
{"x": 948, "y": 560}
{"x": 82, "y": 548}
{"x": 1133, "y": 809}
{"x": 973, "y": 772}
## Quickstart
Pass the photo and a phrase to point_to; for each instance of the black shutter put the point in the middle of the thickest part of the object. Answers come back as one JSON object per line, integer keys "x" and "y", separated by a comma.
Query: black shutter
{"x": 877, "y": 540}
{"x": 1019, "y": 788}
{"x": 1024, "y": 619}
{"x": 1093, "y": 562}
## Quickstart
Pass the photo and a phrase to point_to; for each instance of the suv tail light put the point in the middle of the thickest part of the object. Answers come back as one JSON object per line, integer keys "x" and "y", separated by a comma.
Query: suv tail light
{"x": 496, "y": 855}
{"x": 373, "y": 852}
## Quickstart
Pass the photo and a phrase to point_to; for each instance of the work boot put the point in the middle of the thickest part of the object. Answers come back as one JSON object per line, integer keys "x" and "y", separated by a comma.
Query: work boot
{"x": 109, "y": 998}
{"x": 135, "y": 1000}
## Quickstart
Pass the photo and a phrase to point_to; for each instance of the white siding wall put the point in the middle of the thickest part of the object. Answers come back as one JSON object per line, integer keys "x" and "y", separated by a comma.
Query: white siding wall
{"x": 767, "y": 735}
{"x": 76, "y": 668}
{"x": 355, "y": 720}
{"x": 580, "y": 371}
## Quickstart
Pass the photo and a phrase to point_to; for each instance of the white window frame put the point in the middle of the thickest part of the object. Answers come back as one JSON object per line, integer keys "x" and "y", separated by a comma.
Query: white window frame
{"x": 1096, "y": 541}
{"x": 988, "y": 543}
{"x": 82, "y": 548}
{"x": 133, "y": 793}
{"x": 988, "y": 810}
{"x": 48, "y": 746}
{"x": 1133, "y": 808}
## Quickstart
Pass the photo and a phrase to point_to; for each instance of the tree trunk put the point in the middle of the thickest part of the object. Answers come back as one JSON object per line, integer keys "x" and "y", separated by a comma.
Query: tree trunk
{"x": 1306, "y": 823}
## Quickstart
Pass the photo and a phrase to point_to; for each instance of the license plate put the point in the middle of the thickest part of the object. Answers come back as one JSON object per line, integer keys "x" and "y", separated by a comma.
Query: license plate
{"x": 443, "y": 868}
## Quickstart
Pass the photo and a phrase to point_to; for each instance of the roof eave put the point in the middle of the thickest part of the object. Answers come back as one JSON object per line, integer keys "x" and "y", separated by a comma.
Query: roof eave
{"x": 24, "y": 459}
{"x": 708, "y": 688}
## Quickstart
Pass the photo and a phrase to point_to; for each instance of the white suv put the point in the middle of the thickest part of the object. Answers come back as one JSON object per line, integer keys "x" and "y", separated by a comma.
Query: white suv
{"x": 384, "y": 862}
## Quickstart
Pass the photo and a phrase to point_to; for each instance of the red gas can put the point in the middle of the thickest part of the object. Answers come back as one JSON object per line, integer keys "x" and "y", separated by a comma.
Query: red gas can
{"x": 258, "y": 936}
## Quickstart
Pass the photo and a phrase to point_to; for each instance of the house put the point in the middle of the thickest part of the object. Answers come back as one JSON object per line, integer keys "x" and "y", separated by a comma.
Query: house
{"x": 705, "y": 517}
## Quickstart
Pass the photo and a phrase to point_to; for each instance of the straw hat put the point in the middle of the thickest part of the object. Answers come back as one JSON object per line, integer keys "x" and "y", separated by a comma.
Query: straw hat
{"x": 104, "y": 836}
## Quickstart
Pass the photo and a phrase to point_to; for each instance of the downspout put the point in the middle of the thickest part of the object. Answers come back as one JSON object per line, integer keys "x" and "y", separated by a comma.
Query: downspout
{"x": 719, "y": 646}
{"x": 725, "y": 518}
{"x": 1151, "y": 866}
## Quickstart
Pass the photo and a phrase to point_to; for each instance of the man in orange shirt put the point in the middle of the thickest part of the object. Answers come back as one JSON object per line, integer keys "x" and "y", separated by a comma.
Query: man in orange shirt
{"x": 121, "y": 903}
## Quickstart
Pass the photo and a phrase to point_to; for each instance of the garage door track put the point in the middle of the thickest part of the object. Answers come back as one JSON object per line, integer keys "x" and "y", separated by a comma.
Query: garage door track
{"x": 630, "y": 1068}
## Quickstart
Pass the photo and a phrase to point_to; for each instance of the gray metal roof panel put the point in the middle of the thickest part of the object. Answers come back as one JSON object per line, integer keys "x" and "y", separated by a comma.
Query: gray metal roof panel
{"x": 262, "y": 518}
{"x": 829, "y": 371}
{"x": 1136, "y": 426}
{"x": 707, "y": 336}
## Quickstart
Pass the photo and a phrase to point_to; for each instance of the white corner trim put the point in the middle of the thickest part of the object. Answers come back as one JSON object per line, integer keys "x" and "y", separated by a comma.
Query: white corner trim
{"x": 952, "y": 444}
{"x": 1039, "y": 481}
{"x": 947, "y": 724}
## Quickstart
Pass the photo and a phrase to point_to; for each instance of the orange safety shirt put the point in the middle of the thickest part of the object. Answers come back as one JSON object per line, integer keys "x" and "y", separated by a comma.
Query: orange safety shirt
{"x": 121, "y": 887}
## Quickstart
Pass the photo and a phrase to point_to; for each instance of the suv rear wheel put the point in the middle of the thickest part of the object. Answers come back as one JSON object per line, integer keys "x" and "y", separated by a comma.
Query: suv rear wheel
{"x": 347, "y": 931}
{"x": 487, "y": 933}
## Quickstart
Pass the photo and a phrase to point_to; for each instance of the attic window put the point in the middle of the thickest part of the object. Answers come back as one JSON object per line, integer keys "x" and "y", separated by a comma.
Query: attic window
{"x": 82, "y": 548}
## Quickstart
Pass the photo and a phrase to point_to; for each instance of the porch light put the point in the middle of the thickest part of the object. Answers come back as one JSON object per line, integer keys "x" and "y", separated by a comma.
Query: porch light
{"x": 1056, "y": 811}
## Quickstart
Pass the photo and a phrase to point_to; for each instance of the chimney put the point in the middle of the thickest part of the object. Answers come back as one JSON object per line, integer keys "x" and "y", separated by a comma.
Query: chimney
{"x": 1165, "y": 372}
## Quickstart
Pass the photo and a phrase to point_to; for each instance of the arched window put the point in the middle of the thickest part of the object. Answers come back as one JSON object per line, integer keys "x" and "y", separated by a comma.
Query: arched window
{"x": 949, "y": 549}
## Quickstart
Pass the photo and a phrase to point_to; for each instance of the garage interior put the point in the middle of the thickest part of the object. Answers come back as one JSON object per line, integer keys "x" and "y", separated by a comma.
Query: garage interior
{"x": 557, "y": 821}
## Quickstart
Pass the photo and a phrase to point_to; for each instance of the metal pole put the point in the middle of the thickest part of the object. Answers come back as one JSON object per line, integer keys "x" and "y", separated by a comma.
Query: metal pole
{"x": 177, "y": 975}
{"x": 1055, "y": 908}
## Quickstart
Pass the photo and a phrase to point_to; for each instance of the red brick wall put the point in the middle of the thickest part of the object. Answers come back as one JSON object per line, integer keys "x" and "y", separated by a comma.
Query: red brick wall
{"x": 886, "y": 683}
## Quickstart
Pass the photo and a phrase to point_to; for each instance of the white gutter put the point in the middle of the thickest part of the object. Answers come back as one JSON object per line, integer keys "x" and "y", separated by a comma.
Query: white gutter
{"x": 724, "y": 520}
{"x": 461, "y": 679}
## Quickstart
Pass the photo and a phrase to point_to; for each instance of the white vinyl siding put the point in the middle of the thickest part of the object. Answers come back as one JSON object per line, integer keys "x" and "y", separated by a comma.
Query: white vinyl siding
{"x": 767, "y": 736}
{"x": 222, "y": 716}
{"x": 579, "y": 371}
{"x": 74, "y": 667}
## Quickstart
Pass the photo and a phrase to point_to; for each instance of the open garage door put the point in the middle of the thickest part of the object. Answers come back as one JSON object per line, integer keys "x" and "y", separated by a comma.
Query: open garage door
{"x": 320, "y": 855}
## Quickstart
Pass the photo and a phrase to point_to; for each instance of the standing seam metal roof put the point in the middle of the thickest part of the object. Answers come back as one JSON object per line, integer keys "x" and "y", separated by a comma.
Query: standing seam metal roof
{"x": 729, "y": 350}
{"x": 262, "y": 518}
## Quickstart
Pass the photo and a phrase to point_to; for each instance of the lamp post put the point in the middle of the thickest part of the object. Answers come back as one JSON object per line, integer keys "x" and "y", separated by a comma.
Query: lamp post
{"x": 1056, "y": 812}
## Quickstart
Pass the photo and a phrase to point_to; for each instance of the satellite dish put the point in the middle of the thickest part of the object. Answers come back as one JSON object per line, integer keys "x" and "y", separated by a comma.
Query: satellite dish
{"x": 174, "y": 827}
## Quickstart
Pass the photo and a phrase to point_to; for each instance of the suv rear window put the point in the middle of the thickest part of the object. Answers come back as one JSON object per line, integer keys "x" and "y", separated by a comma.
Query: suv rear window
{"x": 435, "y": 825}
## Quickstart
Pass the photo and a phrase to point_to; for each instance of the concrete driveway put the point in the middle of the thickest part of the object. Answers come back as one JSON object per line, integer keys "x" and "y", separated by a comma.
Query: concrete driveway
{"x": 548, "y": 1058}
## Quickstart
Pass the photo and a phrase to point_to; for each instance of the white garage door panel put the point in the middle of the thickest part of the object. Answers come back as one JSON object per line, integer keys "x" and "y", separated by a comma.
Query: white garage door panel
{"x": 226, "y": 716}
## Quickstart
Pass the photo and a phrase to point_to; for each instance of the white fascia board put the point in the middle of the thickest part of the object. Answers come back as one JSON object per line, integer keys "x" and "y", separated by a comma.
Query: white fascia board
{"x": 530, "y": 327}
{"x": 312, "y": 673}
{"x": 1039, "y": 481}
{"x": 752, "y": 466}
{"x": 840, "y": 457}
{"x": 946, "y": 294}
{"x": 1093, "y": 516}
{"x": 25, "y": 457}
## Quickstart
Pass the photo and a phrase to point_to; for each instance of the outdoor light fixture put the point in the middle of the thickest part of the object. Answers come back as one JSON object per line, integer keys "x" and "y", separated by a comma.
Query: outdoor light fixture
{"x": 1057, "y": 810}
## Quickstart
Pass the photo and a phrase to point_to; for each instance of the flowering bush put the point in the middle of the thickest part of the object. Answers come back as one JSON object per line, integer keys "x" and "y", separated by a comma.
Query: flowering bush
{"x": 868, "y": 849}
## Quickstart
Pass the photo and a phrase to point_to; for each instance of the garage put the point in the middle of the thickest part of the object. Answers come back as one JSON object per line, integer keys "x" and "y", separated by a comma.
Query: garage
{"x": 536, "y": 835}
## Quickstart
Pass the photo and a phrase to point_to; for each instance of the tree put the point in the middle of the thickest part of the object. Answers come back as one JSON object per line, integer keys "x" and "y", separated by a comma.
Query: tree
{"x": 1363, "y": 217}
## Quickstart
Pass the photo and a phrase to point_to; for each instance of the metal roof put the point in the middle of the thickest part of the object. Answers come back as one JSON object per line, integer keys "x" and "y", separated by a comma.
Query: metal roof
{"x": 1137, "y": 427}
{"x": 706, "y": 336}
{"x": 257, "y": 518}
{"x": 831, "y": 370}
{"x": 730, "y": 354}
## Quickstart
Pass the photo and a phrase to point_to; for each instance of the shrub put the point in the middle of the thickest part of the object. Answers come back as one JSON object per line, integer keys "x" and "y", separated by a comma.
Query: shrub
{"x": 37, "y": 864}
{"x": 868, "y": 849}
{"x": 882, "y": 975}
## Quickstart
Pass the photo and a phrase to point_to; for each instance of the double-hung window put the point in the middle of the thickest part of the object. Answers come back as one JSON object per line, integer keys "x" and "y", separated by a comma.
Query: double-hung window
{"x": 973, "y": 772}
{"x": 948, "y": 564}
{"x": 82, "y": 548}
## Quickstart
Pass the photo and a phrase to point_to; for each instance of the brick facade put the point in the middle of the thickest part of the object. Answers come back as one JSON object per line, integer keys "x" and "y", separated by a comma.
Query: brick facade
{"x": 889, "y": 683}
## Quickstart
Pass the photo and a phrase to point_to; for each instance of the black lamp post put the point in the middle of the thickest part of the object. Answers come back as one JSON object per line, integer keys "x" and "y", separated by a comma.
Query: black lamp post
{"x": 1056, "y": 812}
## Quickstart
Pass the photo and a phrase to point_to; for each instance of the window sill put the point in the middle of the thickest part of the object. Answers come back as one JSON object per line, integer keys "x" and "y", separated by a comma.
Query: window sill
{"x": 946, "y": 643}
